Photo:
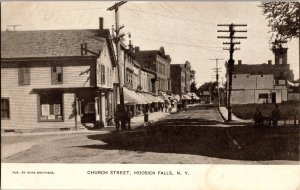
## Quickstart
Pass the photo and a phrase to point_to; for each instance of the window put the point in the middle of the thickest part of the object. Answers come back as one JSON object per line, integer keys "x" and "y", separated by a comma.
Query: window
{"x": 5, "y": 108}
{"x": 51, "y": 107}
{"x": 163, "y": 69}
{"x": 24, "y": 76}
{"x": 263, "y": 96}
{"x": 56, "y": 75}
{"x": 102, "y": 74}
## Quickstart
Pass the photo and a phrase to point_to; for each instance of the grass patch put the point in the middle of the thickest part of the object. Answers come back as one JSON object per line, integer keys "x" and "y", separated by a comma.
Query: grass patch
{"x": 246, "y": 111}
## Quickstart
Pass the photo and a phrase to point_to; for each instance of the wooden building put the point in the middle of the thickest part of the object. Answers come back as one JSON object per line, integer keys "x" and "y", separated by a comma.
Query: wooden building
{"x": 59, "y": 79}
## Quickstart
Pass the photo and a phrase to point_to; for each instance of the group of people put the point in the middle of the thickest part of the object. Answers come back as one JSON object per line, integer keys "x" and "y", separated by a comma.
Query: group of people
{"x": 124, "y": 116}
{"x": 259, "y": 118}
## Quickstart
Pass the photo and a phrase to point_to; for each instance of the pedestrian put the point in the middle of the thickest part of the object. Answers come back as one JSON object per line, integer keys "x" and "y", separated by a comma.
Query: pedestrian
{"x": 128, "y": 118}
{"x": 275, "y": 115}
{"x": 117, "y": 120}
{"x": 166, "y": 106}
{"x": 258, "y": 118}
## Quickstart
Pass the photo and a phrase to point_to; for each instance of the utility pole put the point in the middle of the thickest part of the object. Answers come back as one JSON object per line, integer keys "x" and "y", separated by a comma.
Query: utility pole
{"x": 117, "y": 39}
{"x": 231, "y": 49}
{"x": 217, "y": 78}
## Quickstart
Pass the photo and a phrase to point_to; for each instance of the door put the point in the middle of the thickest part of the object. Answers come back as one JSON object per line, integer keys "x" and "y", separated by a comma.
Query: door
{"x": 89, "y": 113}
{"x": 273, "y": 97}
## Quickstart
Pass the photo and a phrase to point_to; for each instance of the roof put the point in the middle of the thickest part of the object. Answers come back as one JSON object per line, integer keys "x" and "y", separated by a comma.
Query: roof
{"x": 49, "y": 43}
{"x": 150, "y": 55}
{"x": 279, "y": 70}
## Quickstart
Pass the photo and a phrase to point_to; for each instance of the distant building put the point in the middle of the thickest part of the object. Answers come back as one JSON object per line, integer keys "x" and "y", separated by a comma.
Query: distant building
{"x": 261, "y": 83}
{"x": 178, "y": 78}
{"x": 182, "y": 76}
{"x": 159, "y": 62}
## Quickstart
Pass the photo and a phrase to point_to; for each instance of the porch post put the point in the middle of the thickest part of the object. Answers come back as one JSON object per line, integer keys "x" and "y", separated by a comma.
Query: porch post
{"x": 78, "y": 112}
{"x": 102, "y": 109}
{"x": 97, "y": 117}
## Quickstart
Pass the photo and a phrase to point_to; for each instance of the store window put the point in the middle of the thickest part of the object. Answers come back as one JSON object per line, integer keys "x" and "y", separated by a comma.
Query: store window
{"x": 24, "y": 76}
{"x": 263, "y": 96}
{"x": 51, "y": 107}
{"x": 56, "y": 75}
{"x": 5, "y": 108}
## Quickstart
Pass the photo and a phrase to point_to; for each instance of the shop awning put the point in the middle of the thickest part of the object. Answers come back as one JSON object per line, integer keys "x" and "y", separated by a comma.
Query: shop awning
{"x": 186, "y": 97}
{"x": 131, "y": 97}
{"x": 143, "y": 98}
{"x": 193, "y": 96}
{"x": 165, "y": 96}
{"x": 159, "y": 99}
{"x": 150, "y": 97}
{"x": 176, "y": 97}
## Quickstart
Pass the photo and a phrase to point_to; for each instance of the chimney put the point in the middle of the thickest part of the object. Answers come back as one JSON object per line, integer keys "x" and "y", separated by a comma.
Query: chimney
{"x": 269, "y": 62}
{"x": 239, "y": 62}
{"x": 137, "y": 48}
{"x": 100, "y": 23}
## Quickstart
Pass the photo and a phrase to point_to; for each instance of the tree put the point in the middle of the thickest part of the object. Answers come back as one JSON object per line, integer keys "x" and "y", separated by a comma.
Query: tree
{"x": 211, "y": 87}
{"x": 194, "y": 87}
{"x": 284, "y": 20}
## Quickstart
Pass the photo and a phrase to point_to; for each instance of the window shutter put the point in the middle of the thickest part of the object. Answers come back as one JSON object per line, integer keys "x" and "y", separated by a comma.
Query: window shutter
{"x": 21, "y": 76}
{"x": 103, "y": 74}
{"x": 26, "y": 76}
{"x": 53, "y": 75}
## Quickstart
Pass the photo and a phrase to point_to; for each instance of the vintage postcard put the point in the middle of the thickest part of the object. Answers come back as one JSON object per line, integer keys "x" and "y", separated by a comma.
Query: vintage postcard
{"x": 150, "y": 95}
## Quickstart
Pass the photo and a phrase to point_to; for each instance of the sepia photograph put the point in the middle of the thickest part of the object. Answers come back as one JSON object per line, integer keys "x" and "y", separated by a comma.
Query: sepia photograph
{"x": 150, "y": 82}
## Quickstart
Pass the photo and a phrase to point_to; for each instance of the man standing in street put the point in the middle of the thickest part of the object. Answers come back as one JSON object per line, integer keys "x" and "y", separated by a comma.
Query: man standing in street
{"x": 275, "y": 116}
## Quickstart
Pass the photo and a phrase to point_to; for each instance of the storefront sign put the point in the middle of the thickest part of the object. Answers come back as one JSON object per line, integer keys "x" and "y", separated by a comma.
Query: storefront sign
{"x": 45, "y": 109}
{"x": 56, "y": 108}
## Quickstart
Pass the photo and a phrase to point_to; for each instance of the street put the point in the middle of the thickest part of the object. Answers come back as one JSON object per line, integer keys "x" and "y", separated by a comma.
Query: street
{"x": 196, "y": 136}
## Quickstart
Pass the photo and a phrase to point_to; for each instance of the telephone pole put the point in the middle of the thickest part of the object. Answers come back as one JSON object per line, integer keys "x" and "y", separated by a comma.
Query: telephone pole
{"x": 217, "y": 78}
{"x": 117, "y": 39}
{"x": 231, "y": 49}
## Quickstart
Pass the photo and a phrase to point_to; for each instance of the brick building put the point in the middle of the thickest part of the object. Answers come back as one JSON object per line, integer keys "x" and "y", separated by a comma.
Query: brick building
{"x": 158, "y": 62}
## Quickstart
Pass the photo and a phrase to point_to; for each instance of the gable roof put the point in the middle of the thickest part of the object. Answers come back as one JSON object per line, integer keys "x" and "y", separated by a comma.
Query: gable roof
{"x": 49, "y": 43}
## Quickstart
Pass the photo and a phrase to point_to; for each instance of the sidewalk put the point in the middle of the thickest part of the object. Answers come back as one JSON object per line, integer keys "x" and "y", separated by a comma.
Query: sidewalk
{"x": 138, "y": 121}
{"x": 224, "y": 113}
{"x": 135, "y": 122}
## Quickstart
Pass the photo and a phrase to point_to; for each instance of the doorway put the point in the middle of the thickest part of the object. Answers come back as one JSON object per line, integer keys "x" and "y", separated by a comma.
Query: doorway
{"x": 273, "y": 97}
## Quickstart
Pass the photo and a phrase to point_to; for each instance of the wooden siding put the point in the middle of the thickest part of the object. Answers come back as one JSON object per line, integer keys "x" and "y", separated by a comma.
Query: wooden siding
{"x": 23, "y": 102}
{"x": 106, "y": 61}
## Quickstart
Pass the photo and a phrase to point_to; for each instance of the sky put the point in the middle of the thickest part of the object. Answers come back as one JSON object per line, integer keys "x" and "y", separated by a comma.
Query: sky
{"x": 186, "y": 30}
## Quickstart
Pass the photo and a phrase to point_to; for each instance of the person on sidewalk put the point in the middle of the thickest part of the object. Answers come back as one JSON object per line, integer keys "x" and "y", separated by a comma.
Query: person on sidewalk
{"x": 275, "y": 115}
{"x": 258, "y": 118}
{"x": 128, "y": 119}
{"x": 166, "y": 106}
{"x": 117, "y": 120}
